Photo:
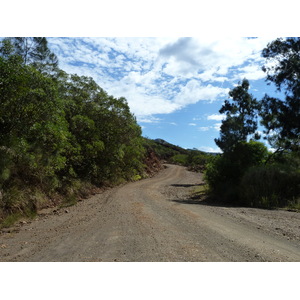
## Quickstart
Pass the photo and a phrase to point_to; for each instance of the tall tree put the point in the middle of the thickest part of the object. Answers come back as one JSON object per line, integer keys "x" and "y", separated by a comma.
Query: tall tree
{"x": 281, "y": 117}
{"x": 34, "y": 51}
{"x": 33, "y": 129}
{"x": 241, "y": 117}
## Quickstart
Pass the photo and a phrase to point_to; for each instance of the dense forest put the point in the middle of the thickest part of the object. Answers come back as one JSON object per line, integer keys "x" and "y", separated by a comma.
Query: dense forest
{"x": 62, "y": 134}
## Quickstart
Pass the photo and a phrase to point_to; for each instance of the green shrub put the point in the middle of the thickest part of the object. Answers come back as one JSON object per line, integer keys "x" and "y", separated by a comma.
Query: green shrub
{"x": 180, "y": 159}
{"x": 136, "y": 178}
{"x": 224, "y": 173}
{"x": 222, "y": 178}
{"x": 20, "y": 200}
{"x": 270, "y": 186}
{"x": 198, "y": 159}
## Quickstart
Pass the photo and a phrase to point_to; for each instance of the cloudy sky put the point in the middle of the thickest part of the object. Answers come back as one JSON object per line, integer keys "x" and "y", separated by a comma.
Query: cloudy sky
{"x": 174, "y": 86}
{"x": 175, "y": 81}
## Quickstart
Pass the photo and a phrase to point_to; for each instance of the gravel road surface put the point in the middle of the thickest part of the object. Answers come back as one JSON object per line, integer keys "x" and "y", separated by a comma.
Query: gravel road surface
{"x": 155, "y": 219}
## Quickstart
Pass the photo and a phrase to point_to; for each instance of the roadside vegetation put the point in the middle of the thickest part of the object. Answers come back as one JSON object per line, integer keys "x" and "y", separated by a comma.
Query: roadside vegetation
{"x": 246, "y": 173}
{"x": 60, "y": 134}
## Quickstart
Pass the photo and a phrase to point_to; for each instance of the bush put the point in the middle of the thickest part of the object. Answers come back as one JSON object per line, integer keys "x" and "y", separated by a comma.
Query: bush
{"x": 222, "y": 178}
{"x": 270, "y": 186}
{"x": 224, "y": 173}
{"x": 180, "y": 159}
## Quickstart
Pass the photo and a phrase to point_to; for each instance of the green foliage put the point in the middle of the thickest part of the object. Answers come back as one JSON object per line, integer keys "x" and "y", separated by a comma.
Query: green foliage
{"x": 270, "y": 186}
{"x": 281, "y": 117}
{"x": 241, "y": 117}
{"x": 58, "y": 130}
{"x": 245, "y": 173}
{"x": 21, "y": 200}
{"x": 243, "y": 177}
{"x": 33, "y": 132}
{"x": 224, "y": 172}
{"x": 106, "y": 141}
{"x": 10, "y": 220}
{"x": 180, "y": 159}
{"x": 32, "y": 50}
{"x": 136, "y": 177}
{"x": 197, "y": 160}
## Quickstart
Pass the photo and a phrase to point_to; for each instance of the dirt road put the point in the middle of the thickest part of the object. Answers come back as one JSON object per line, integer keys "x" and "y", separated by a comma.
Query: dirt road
{"x": 155, "y": 219}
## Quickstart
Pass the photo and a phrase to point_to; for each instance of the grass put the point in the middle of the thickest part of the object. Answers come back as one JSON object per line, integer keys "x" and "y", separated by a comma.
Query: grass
{"x": 136, "y": 178}
{"x": 69, "y": 200}
{"x": 11, "y": 219}
{"x": 294, "y": 206}
{"x": 200, "y": 190}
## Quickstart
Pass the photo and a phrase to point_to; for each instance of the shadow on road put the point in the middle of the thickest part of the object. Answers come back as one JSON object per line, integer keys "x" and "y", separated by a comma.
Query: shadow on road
{"x": 187, "y": 185}
{"x": 199, "y": 197}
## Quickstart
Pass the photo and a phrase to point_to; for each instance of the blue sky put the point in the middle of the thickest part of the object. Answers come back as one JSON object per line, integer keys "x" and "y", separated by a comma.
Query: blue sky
{"x": 174, "y": 86}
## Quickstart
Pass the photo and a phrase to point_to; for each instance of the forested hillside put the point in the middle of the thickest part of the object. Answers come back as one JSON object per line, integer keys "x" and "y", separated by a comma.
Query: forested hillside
{"x": 59, "y": 133}
{"x": 194, "y": 159}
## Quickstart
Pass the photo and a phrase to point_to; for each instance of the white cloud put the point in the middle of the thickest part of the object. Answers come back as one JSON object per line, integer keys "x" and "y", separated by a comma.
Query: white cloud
{"x": 142, "y": 104}
{"x": 217, "y": 126}
{"x": 216, "y": 117}
{"x": 204, "y": 128}
{"x": 272, "y": 150}
{"x": 192, "y": 124}
{"x": 148, "y": 119}
{"x": 210, "y": 75}
{"x": 210, "y": 149}
{"x": 143, "y": 99}
{"x": 194, "y": 91}
{"x": 162, "y": 75}
{"x": 208, "y": 58}
{"x": 251, "y": 72}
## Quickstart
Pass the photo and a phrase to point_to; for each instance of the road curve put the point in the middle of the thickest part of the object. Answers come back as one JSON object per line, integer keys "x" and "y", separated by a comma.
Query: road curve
{"x": 154, "y": 220}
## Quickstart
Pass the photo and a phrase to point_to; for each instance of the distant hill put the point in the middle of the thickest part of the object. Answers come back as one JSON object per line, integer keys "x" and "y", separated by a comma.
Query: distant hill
{"x": 165, "y": 151}
{"x": 171, "y": 146}
{"x": 182, "y": 150}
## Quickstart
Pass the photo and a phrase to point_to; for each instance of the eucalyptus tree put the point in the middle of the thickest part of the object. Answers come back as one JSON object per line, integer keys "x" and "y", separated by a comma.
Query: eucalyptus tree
{"x": 33, "y": 51}
{"x": 241, "y": 117}
{"x": 281, "y": 116}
